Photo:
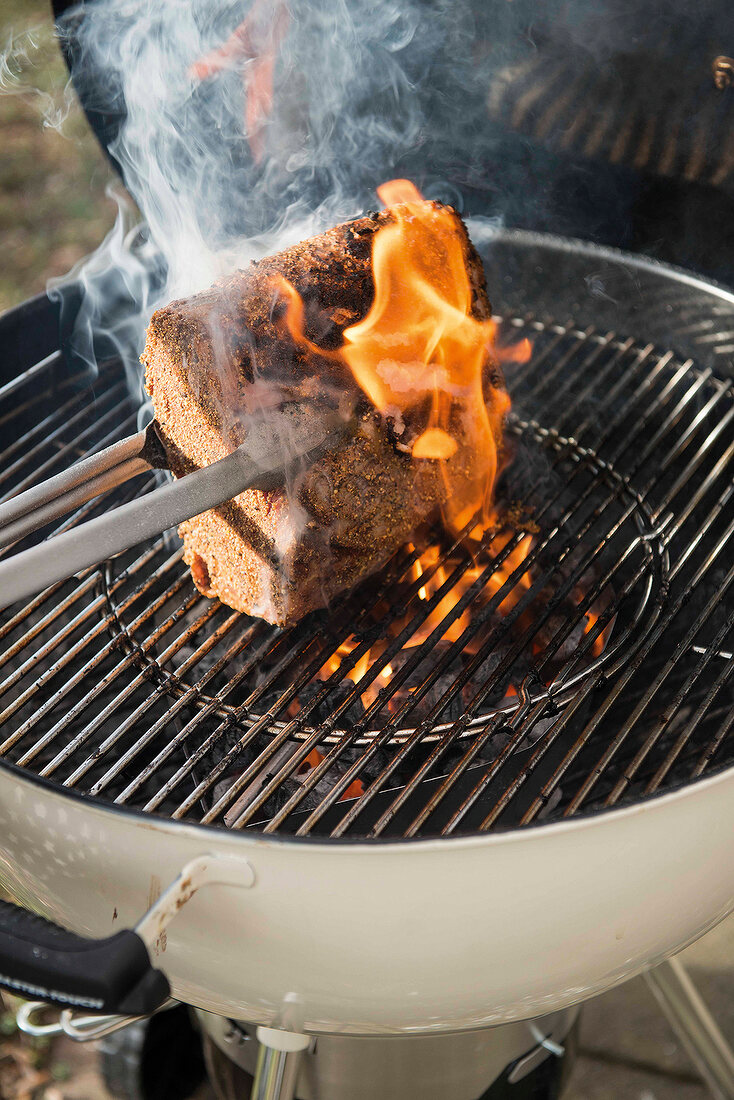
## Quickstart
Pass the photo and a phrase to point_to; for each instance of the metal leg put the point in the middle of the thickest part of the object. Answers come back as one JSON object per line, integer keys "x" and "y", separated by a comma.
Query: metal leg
{"x": 277, "y": 1064}
{"x": 694, "y": 1025}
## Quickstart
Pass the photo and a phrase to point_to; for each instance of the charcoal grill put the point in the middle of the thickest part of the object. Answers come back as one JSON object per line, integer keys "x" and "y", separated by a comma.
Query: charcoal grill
{"x": 128, "y": 686}
{"x": 156, "y": 745}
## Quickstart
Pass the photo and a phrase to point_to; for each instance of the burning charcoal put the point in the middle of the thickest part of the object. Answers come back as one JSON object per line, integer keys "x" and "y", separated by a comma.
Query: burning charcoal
{"x": 483, "y": 675}
{"x": 436, "y": 692}
{"x": 323, "y": 710}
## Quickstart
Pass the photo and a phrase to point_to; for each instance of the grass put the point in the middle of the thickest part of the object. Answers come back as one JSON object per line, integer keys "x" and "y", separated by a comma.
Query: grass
{"x": 53, "y": 206}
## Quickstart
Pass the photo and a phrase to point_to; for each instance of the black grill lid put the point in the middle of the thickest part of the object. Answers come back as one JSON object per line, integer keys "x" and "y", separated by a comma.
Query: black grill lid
{"x": 99, "y": 94}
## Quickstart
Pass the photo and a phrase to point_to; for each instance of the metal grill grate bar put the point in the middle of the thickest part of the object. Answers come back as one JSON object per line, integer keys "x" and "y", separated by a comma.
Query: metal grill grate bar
{"x": 627, "y": 675}
{"x": 59, "y": 641}
{"x": 631, "y": 112}
{"x": 664, "y": 623}
{"x": 354, "y": 772}
{"x": 31, "y": 375}
{"x": 715, "y": 744}
{"x": 186, "y": 698}
{"x": 104, "y": 682}
{"x": 67, "y": 453}
{"x": 663, "y": 723}
{"x": 48, "y": 429}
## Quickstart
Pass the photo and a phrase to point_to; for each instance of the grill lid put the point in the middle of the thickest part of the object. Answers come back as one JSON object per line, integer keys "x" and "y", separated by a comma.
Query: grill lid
{"x": 614, "y": 631}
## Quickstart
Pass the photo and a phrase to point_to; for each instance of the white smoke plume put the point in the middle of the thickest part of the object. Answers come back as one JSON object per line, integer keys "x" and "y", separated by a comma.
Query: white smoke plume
{"x": 356, "y": 87}
{"x": 26, "y": 57}
{"x": 355, "y": 92}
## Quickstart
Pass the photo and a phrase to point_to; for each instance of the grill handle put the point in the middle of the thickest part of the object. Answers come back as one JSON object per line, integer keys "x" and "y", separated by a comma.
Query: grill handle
{"x": 41, "y": 960}
{"x": 115, "y": 976}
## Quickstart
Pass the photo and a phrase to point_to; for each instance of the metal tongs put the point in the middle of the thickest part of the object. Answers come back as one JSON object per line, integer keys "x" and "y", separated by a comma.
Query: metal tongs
{"x": 274, "y": 446}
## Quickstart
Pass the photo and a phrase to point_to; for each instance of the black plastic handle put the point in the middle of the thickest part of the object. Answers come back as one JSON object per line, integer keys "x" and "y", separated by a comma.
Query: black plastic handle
{"x": 44, "y": 962}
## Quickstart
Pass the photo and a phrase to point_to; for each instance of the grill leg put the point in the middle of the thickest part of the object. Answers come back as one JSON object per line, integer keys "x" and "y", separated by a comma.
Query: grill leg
{"x": 277, "y": 1064}
{"x": 694, "y": 1025}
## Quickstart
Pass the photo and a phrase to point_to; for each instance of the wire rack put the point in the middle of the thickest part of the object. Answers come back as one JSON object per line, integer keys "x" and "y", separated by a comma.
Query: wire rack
{"x": 581, "y": 659}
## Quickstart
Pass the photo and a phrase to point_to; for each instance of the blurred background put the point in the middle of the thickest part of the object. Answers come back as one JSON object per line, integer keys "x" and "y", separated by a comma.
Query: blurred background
{"x": 53, "y": 206}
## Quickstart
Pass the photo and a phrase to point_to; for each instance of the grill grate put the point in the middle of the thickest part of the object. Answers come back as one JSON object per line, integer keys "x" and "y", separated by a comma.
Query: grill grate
{"x": 595, "y": 669}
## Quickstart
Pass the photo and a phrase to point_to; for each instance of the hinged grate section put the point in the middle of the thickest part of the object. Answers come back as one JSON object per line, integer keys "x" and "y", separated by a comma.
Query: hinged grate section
{"x": 581, "y": 658}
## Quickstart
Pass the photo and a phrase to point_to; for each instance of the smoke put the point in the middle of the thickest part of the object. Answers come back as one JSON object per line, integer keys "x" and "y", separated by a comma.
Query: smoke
{"x": 106, "y": 298}
{"x": 27, "y": 59}
{"x": 241, "y": 127}
{"x": 355, "y": 89}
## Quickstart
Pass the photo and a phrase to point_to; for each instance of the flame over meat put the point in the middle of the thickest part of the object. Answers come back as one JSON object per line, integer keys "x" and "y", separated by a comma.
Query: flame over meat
{"x": 419, "y": 348}
{"x": 420, "y": 354}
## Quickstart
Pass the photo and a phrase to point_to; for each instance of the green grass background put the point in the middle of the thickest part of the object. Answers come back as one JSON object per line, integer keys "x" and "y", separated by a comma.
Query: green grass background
{"x": 53, "y": 206}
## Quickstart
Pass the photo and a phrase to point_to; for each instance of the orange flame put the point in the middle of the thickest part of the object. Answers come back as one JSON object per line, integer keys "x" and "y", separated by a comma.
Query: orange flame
{"x": 426, "y": 569}
{"x": 419, "y": 350}
{"x": 439, "y": 576}
{"x": 434, "y": 576}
